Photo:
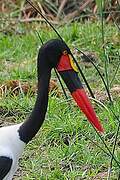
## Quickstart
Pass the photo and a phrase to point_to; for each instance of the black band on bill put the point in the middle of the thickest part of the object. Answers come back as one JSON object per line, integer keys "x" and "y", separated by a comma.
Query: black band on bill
{"x": 71, "y": 80}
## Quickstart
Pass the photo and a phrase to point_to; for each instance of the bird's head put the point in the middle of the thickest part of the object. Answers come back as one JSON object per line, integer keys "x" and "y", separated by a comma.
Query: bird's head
{"x": 56, "y": 54}
{"x": 51, "y": 52}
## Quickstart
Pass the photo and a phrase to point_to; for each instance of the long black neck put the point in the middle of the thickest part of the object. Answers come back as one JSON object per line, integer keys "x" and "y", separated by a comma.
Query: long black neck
{"x": 31, "y": 126}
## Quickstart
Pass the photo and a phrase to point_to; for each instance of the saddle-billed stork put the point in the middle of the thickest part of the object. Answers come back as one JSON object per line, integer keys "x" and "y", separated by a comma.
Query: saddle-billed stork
{"x": 53, "y": 54}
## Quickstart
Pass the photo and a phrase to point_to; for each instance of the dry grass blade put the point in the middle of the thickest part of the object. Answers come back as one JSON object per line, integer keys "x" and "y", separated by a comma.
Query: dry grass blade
{"x": 63, "y": 3}
{"x": 77, "y": 12}
{"x": 62, "y": 9}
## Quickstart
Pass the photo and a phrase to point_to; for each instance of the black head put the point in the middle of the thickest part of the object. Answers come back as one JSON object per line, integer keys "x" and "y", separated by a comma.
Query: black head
{"x": 56, "y": 54}
{"x": 50, "y": 53}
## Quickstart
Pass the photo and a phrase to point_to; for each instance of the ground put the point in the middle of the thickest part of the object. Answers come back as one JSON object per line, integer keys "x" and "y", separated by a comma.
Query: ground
{"x": 66, "y": 146}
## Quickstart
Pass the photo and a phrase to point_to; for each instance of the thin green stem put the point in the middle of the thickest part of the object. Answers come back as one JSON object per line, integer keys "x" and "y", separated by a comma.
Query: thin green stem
{"x": 113, "y": 151}
{"x": 106, "y": 68}
{"x": 102, "y": 20}
{"x": 39, "y": 37}
{"x": 116, "y": 70}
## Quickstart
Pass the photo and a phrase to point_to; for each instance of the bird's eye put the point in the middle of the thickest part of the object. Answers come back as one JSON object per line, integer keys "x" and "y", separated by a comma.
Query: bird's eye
{"x": 65, "y": 52}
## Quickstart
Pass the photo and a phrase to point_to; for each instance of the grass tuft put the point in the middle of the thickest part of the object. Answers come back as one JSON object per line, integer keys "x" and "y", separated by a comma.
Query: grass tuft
{"x": 63, "y": 148}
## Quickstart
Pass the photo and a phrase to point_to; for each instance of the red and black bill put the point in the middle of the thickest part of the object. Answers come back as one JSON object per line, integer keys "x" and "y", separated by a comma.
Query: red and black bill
{"x": 69, "y": 74}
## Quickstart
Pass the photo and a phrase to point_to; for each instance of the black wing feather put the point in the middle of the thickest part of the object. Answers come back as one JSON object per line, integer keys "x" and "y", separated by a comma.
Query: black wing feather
{"x": 5, "y": 166}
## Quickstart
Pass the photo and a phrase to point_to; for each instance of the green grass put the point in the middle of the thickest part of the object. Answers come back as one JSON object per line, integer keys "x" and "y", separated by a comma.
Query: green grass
{"x": 62, "y": 149}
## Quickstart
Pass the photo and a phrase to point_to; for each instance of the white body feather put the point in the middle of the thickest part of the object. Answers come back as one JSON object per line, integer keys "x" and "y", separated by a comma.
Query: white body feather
{"x": 11, "y": 146}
